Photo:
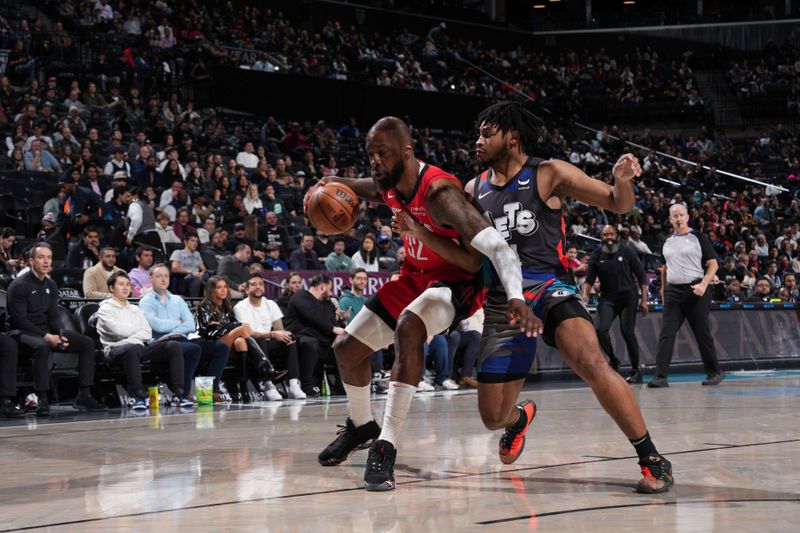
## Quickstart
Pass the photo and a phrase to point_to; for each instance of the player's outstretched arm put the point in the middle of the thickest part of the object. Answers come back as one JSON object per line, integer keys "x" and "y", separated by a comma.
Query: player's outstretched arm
{"x": 569, "y": 180}
{"x": 363, "y": 187}
{"x": 448, "y": 206}
{"x": 465, "y": 257}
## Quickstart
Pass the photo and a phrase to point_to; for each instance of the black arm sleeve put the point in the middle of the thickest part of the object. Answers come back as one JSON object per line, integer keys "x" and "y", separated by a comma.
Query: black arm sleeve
{"x": 706, "y": 248}
{"x": 591, "y": 273}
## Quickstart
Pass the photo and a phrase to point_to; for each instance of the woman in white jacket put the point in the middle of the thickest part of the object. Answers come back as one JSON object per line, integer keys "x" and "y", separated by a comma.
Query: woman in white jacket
{"x": 124, "y": 334}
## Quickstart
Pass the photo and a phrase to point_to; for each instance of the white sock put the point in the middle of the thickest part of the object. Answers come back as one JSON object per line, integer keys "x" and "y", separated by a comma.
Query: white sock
{"x": 294, "y": 383}
{"x": 398, "y": 403}
{"x": 358, "y": 403}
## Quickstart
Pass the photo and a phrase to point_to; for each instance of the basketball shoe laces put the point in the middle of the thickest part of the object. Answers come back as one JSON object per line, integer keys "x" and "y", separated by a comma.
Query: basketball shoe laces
{"x": 511, "y": 440}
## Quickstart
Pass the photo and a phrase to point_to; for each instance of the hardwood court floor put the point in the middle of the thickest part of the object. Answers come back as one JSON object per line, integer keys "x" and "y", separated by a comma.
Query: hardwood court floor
{"x": 735, "y": 450}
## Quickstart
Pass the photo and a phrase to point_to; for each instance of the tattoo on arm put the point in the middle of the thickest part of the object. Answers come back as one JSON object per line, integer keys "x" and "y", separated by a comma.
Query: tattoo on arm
{"x": 363, "y": 187}
{"x": 448, "y": 206}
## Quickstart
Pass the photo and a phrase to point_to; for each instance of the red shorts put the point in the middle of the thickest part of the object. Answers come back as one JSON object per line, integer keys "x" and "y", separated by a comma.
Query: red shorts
{"x": 394, "y": 296}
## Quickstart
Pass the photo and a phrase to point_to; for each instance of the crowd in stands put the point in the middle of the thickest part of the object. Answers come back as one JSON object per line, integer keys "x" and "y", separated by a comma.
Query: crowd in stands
{"x": 770, "y": 76}
{"x": 135, "y": 176}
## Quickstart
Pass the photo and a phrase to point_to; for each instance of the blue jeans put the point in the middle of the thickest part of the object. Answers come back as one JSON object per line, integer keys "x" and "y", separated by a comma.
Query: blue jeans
{"x": 213, "y": 354}
{"x": 437, "y": 350}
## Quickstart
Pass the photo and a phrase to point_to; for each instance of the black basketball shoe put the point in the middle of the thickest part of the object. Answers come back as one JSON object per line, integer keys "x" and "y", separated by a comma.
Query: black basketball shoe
{"x": 349, "y": 439}
{"x": 379, "y": 476}
{"x": 657, "y": 472}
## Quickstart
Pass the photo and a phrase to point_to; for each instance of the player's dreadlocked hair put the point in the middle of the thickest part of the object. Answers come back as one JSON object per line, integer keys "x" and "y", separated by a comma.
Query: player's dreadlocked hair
{"x": 508, "y": 115}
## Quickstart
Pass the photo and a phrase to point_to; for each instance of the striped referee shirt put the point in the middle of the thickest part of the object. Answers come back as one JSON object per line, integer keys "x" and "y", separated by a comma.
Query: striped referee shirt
{"x": 686, "y": 255}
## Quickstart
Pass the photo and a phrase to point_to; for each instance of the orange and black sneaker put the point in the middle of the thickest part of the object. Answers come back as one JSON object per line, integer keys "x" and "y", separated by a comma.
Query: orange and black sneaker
{"x": 513, "y": 440}
{"x": 657, "y": 472}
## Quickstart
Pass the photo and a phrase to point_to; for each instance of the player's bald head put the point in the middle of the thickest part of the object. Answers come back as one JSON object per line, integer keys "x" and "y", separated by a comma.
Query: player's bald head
{"x": 393, "y": 127}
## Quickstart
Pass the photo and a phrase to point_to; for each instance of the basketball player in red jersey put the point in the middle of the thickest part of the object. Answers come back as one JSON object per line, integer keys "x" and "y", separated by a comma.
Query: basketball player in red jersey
{"x": 429, "y": 296}
{"x": 523, "y": 195}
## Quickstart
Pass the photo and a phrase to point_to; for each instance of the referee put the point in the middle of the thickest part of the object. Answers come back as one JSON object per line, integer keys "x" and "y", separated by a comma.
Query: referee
{"x": 617, "y": 267}
{"x": 684, "y": 292}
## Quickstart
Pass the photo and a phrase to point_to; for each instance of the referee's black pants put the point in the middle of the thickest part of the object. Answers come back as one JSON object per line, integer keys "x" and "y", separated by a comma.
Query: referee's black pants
{"x": 623, "y": 306}
{"x": 680, "y": 304}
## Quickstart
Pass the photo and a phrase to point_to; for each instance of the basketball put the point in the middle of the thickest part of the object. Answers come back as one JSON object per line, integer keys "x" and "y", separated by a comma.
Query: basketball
{"x": 333, "y": 208}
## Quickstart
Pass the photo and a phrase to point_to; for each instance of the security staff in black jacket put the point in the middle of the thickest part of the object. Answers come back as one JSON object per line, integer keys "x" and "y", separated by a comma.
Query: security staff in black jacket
{"x": 32, "y": 308}
{"x": 617, "y": 267}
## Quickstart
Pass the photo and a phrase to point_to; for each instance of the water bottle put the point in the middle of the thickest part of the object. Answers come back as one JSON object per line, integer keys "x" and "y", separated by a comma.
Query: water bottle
{"x": 325, "y": 390}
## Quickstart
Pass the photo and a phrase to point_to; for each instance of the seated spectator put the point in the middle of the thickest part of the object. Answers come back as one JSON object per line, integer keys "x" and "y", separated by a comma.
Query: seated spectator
{"x": 323, "y": 245}
{"x": 772, "y": 275}
{"x": 10, "y": 264}
{"x": 366, "y": 257}
{"x": 305, "y": 258}
{"x": 273, "y": 260}
{"x": 466, "y": 338}
{"x": 353, "y": 299}
{"x": 763, "y": 291}
{"x": 239, "y": 237}
{"x": 217, "y": 322}
{"x": 400, "y": 256}
{"x": 117, "y": 164}
{"x": 182, "y": 226}
{"x": 266, "y": 320}
{"x": 32, "y": 308}
{"x": 735, "y": 294}
{"x": 140, "y": 276}
{"x": 387, "y": 256}
{"x": 246, "y": 157}
{"x": 271, "y": 232}
{"x": 209, "y": 226}
{"x": 337, "y": 260}
{"x": 274, "y": 204}
{"x": 790, "y": 284}
{"x": 189, "y": 265}
{"x": 124, "y": 333}
{"x": 95, "y": 279}
{"x": 165, "y": 230}
{"x": 170, "y": 319}
{"x": 51, "y": 234}
{"x": 291, "y": 284}
{"x": 85, "y": 253}
{"x": 39, "y": 159}
{"x": 311, "y": 317}
{"x": 234, "y": 268}
{"x": 8, "y": 378}
{"x": 252, "y": 200}
{"x": 215, "y": 251}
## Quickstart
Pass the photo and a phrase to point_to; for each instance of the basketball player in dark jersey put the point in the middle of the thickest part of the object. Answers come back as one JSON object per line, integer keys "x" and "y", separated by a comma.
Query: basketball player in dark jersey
{"x": 523, "y": 195}
{"x": 430, "y": 295}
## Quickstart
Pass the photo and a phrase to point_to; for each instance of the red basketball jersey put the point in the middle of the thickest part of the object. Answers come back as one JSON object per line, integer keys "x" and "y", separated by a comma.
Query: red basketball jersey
{"x": 420, "y": 258}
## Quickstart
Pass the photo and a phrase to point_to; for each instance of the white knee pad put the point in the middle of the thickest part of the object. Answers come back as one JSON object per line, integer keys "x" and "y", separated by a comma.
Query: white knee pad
{"x": 435, "y": 308}
{"x": 371, "y": 330}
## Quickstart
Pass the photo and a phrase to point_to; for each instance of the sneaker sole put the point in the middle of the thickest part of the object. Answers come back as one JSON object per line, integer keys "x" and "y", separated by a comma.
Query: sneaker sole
{"x": 644, "y": 489}
{"x": 380, "y": 487}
